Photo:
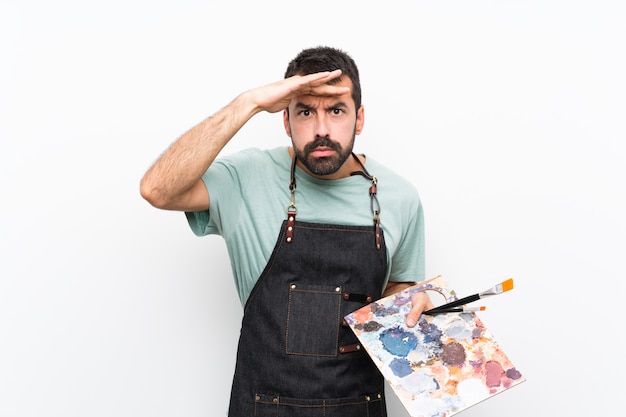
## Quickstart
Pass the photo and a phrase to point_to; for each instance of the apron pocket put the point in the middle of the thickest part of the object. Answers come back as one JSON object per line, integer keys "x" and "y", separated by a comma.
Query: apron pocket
{"x": 313, "y": 320}
{"x": 275, "y": 405}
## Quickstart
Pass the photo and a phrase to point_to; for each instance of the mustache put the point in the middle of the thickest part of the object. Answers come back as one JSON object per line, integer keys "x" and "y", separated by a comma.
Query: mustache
{"x": 322, "y": 142}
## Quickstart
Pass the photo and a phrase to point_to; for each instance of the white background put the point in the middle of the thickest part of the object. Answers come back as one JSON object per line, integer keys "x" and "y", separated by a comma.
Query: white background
{"x": 508, "y": 116}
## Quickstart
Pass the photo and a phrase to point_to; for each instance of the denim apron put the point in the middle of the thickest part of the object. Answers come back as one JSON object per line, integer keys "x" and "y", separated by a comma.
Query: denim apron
{"x": 296, "y": 355}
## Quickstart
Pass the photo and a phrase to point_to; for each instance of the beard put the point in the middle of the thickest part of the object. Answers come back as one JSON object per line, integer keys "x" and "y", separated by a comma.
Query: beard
{"x": 325, "y": 165}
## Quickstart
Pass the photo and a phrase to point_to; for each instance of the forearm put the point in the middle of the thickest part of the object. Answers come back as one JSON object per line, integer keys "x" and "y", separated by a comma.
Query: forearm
{"x": 394, "y": 287}
{"x": 173, "y": 182}
{"x": 182, "y": 165}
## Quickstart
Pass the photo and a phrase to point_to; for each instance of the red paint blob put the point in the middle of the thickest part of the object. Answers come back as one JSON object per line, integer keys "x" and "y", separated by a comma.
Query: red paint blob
{"x": 493, "y": 373}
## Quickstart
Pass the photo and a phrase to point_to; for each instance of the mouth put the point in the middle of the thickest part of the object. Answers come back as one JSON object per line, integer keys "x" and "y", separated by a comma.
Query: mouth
{"x": 322, "y": 152}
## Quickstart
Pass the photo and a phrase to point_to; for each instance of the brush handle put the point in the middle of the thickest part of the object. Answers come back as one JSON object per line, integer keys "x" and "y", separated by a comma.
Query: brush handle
{"x": 455, "y": 310}
{"x": 456, "y": 303}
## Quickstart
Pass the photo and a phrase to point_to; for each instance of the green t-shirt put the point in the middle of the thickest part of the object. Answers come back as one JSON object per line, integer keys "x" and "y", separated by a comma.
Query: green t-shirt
{"x": 249, "y": 193}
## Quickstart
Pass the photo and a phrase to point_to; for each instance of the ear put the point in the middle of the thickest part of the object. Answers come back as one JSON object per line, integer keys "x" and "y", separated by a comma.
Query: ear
{"x": 286, "y": 122}
{"x": 360, "y": 120}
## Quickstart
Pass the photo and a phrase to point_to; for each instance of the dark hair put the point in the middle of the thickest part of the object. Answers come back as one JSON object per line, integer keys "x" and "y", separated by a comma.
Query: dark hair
{"x": 325, "y": 58}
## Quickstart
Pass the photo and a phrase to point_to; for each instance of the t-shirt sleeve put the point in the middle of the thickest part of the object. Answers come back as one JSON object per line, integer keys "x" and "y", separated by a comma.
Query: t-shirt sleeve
{"x": 199, "y": 222}
{"x": 408, "y": 263}
{"x": 223, "y": 181}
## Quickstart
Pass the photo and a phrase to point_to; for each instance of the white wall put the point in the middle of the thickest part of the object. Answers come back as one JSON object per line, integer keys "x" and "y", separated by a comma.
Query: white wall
{"x": 507, "y": 115}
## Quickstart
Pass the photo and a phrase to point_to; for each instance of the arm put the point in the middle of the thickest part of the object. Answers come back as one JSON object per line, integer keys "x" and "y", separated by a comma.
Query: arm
{"x": 174, "y": 181}
{"x": 420, "y": 301}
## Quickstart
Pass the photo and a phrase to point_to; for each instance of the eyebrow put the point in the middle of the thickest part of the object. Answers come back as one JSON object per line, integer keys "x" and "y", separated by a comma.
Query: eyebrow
{"x": 302, "y": 106}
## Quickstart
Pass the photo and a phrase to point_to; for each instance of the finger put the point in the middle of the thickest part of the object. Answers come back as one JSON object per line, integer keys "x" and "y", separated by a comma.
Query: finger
{"x": 420, "y": 302}
{"x": 317, "y": 84}
{"x": 327, "y": 90}
{"x": 412, "y": 318}
{"x": 319, "y": 78}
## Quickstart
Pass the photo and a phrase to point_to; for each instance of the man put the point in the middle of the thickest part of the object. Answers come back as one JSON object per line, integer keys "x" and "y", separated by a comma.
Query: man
{"x": 305, "y": 234}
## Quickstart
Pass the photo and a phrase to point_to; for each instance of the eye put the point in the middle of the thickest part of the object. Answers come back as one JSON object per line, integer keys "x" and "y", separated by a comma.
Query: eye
{"x": 337, "y": 111}
{"x": 304, "y": 113}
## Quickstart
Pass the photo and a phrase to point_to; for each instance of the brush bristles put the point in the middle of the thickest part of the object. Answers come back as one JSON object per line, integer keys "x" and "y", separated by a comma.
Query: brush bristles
{"x": 507, "y": 285}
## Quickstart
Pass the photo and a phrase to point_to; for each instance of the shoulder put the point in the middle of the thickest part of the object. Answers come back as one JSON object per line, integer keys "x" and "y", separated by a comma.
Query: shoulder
{"x": 252, "y": 162}
{"x": 390, "y": 180}
{"x": 275, "y": 155}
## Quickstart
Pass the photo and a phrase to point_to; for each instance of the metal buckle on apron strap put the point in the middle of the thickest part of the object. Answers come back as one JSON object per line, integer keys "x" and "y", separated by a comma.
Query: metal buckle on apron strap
{"x": 292, "y": 210}
{"x": 374, "y": 204}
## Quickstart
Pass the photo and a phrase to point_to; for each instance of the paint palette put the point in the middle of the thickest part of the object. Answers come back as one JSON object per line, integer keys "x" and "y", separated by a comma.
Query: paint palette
{"x": 444, "y": 365}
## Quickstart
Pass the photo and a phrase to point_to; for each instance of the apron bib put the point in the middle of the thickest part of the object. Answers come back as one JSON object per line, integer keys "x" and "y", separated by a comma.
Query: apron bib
{"x": 296, "y": 355}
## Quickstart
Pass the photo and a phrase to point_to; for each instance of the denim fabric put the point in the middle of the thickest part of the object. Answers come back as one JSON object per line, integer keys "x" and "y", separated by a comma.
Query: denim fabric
{"x": 288, "y": 360}
{"x": 366, "y": 405}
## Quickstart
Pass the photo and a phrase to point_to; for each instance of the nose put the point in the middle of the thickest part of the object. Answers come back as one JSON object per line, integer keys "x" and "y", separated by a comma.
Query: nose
{"x": 322, "y": 128}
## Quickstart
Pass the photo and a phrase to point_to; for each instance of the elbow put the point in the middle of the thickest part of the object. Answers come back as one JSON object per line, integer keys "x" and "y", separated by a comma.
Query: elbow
{"x": 159, "y": 195}
{"x": 151, "y": 194}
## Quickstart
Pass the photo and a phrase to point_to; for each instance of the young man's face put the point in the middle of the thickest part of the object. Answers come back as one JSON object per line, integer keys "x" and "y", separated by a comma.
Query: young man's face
{"x": 323, "y": 129}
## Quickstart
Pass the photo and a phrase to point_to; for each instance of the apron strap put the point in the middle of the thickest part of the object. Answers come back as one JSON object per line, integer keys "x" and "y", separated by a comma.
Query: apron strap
{"x": 292, "y": 210}
{"x": 374, "y": 204}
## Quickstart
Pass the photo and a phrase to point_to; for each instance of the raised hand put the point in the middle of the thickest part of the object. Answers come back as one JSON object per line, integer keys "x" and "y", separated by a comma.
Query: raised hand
{"x": 277, "y": 96}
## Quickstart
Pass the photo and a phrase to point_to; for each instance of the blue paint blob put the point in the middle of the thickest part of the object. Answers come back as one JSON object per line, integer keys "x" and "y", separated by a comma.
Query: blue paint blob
{"x": 431, "y": 332}
{"x": 400, "y": 367}
{"x": 397, "y": 341}
{"x": 380, "y": 310}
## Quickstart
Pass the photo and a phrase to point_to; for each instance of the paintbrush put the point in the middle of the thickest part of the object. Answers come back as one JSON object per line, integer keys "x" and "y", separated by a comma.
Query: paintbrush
{"x": 455, "y": 310}
{"x": 504, "y": 286}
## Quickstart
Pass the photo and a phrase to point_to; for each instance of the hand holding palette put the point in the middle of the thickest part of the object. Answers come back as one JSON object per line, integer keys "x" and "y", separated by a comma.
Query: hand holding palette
{"x": 445, "y": 364}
